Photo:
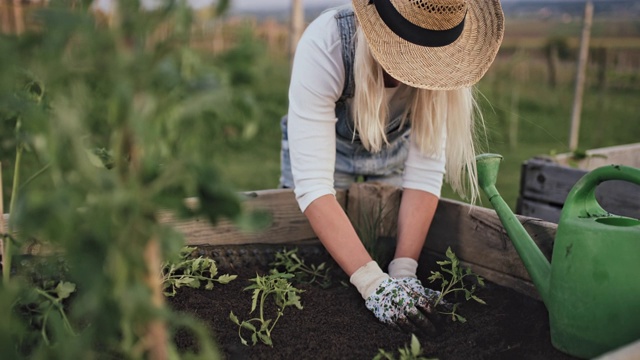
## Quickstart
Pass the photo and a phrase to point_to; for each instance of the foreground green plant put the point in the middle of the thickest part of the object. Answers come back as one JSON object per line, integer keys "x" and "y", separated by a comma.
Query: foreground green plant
{"x": 43, "y": 307}
{"x": 303, "y": 273}
{"x": 147, "y": 103}
{"x": 191, "y": 272}
{"x": 455, "y": 283}
{"x": 277, "y": 287}
{"x": 407, "y": 353}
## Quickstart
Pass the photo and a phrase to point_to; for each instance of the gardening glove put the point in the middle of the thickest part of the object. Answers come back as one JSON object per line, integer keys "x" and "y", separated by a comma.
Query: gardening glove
{"x": 405, "y": 268}
{"x": 393, "y": 301}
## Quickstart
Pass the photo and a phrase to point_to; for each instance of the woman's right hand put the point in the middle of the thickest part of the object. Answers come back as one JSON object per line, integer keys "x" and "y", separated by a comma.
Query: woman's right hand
{"x": 403, "y": 303}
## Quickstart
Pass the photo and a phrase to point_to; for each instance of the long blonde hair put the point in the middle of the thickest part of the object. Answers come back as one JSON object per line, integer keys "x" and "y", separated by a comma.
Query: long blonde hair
{"x": 433, "y": 113}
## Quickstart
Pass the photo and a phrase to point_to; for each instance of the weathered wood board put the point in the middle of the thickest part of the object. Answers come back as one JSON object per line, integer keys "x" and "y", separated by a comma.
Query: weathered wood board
{"x": 546, "y": 182}
{"x": 288, "y": 224}
{"x": 474, "y": 233}
{"x": 628, "y": 154}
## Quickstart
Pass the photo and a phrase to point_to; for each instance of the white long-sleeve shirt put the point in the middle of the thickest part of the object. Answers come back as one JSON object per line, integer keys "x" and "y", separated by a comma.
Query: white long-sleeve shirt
{"x": 317, "y": 81}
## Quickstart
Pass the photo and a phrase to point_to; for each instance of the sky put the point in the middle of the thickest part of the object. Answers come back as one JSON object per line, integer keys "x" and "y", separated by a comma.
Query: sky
{"x": 270, "y": 4}
{"x": 236, "y": 4}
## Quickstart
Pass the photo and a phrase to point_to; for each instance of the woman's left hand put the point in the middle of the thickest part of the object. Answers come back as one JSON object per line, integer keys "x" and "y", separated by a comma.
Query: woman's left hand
{"x": 405, "y": 303}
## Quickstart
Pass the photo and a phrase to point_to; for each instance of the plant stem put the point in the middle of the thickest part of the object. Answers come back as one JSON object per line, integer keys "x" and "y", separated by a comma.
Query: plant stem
{"x": 34, "y": 176}
{"x": 7, "y": 251}
{"x": 55, "y": 302}
{"x": 3, "y": 236}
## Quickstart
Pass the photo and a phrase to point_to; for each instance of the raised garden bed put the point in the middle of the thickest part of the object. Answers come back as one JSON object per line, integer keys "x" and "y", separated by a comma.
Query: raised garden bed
{"x": 334, "y": 322}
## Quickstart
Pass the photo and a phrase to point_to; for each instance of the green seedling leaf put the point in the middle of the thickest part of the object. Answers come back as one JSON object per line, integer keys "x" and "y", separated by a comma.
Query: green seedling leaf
{"x": 248, "y": 326}
{"x": 265, "y": 325}
{"x": 265, "y": 339}
{"x": 225, "y": 279}
{"x": 65, "y": 289}
{"x": 454, "y": 282}
{"x": 191, "y": 272}
{"x": 459, "y": 318}
{"x": 277, "y": 287}
{"x": 294, "y": 265}
{"x": 209, "y": 285}
{"x": 416, "y": 349}
{"x": 234, "y": 318}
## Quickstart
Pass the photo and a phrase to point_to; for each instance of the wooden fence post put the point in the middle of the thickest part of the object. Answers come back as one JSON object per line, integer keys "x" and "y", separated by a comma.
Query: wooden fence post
{"x": 297, "y": 26}
{"x": 580, "y": 77}
{"x": 553, "y": 64}
{"x": 5, "y": 18}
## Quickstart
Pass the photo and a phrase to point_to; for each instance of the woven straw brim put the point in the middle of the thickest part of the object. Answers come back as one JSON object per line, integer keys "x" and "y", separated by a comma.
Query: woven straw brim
{"x": 459, "y": 64}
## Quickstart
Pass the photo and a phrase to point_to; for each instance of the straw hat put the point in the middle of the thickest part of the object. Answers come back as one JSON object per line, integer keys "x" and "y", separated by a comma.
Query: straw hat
{"x": 433, "y": 44}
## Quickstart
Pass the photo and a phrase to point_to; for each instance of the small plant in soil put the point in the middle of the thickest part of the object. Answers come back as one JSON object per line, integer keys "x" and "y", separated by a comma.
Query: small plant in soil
{"x": 277, "y": 288}
{"x": 303, "y": 273}
{"x": 458, "y": 280}
{"x": 407, "y": 353}
{"x": 191, "y": 272}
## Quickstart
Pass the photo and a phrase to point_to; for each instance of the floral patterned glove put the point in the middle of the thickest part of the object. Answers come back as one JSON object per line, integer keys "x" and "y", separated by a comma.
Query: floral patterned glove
{"x": 398, "y": 302}
{"x": 404, "y": 268}
{"x": 404, "y": 303}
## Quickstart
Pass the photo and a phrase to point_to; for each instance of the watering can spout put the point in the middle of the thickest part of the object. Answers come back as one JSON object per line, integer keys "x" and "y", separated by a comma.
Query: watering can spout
{"x": 534, "y": 260}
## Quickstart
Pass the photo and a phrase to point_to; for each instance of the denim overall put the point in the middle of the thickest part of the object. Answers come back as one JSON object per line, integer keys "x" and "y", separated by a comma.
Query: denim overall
{"x": 352, "y": 159}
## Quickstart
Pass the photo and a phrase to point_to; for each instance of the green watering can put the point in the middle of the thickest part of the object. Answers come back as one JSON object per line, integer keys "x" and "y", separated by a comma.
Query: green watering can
{"x": 592, "y": 287}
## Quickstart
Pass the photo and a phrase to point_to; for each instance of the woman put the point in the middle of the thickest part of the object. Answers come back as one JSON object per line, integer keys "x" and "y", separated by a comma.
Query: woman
{"x": 381, "y": 90}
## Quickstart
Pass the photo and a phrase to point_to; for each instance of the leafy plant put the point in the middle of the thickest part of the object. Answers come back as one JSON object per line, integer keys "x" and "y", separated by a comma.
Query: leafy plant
{"x": 138, "y": 93}
{"x": 308, "y": 274}
{"x": 454, "y": 282}
{"x": 191, "y": 272}
{"x": 43, "y": 307}
{"x": 407, "y": 353}
{"x": 275, "y": 286}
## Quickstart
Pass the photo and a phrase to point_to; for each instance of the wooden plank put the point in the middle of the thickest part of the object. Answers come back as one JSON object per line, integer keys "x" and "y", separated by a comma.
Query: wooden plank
{"x": 288, "y": 223}
{"x": 373, "y": 208}
{"x": 628, "y": 154}
{"x": 548, "y": 182}
{"x": 476, "y": 236}
{"x": 539, "y": 210}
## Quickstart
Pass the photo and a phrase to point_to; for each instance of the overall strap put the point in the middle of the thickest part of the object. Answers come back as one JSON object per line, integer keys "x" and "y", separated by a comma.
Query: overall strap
{"x": 347, "y": 24}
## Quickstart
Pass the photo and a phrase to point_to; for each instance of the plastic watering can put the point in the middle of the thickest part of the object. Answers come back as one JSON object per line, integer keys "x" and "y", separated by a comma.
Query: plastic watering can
{"x": 591, "y": 288}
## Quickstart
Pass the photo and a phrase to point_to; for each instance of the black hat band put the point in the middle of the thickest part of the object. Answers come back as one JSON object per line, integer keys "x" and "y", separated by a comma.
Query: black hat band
{"x": 412, "y": 32}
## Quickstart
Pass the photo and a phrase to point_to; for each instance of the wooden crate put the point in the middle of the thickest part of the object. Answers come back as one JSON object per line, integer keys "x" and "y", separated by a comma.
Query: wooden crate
{"x": 545, "y": 183}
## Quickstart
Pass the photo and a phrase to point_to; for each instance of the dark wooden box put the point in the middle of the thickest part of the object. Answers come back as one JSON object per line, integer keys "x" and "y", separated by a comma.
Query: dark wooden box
{"x": 546, "y": 182}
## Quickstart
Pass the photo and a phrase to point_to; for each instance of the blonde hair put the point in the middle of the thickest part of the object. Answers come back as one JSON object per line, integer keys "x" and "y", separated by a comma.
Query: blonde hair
{"x": 432, "y": 113}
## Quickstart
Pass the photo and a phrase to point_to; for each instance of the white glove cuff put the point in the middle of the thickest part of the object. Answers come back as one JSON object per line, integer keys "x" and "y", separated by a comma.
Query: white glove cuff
{"x": 367, "y": 278}
{"x": 403, "y": 268}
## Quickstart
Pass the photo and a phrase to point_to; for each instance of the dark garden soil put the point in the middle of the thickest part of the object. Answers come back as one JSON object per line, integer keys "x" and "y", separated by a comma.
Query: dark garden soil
{"x": 334, "y": 324}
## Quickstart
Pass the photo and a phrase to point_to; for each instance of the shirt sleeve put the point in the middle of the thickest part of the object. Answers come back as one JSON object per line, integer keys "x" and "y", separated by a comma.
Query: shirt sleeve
{"x": 317, "y": 80}
{"x": 424, "y": 172}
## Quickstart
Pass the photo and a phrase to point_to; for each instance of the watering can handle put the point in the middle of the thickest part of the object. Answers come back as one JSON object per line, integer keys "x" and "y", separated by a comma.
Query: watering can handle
{"x": 581, "y": 201}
